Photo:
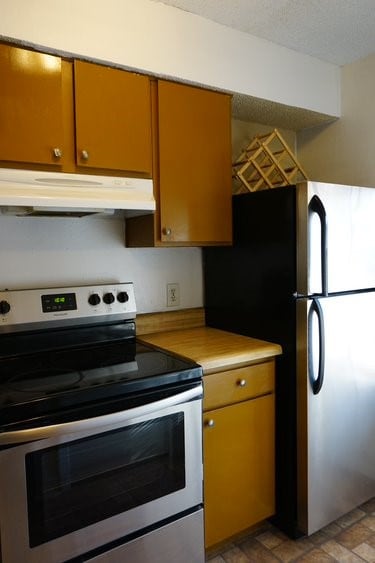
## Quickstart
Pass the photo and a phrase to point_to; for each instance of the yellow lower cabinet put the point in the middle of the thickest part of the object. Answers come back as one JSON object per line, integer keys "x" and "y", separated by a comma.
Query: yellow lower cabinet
{"x": 238, "y": 467}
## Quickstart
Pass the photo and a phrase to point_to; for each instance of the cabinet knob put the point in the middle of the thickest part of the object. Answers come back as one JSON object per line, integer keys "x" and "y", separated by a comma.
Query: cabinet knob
{"x": 167, "y": 231}
{"x": 84, "y": 155}
{"x": 241, "y": 383}
{"x": 57, "y": 153}
{"x": 210, "y": 423}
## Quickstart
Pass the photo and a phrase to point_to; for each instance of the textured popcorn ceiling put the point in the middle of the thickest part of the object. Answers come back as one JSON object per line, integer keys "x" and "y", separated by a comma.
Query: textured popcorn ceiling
{"x": 249, "y": 108}
{"x": 336, "y": 31}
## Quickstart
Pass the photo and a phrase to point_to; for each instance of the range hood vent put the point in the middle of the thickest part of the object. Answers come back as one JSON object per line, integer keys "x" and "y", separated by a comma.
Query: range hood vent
{"x": 32, "y": 193}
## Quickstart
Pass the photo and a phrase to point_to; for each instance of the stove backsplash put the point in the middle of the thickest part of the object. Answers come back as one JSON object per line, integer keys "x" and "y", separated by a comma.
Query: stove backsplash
{"x": 43, "y": 252}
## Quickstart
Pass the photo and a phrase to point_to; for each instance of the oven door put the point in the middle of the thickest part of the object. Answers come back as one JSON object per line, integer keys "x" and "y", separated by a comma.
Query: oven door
{"x": 94, "y": 481}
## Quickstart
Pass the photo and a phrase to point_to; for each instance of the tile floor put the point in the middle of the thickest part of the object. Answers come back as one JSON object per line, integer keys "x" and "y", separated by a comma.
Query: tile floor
{"x": 351, "y": 539}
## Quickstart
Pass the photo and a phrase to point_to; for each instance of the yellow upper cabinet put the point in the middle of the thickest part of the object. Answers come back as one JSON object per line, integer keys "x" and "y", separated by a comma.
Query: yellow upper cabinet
{"x": 113, "y": 118}
{"x": 194, "y": 164}
{"x": 31, "y": 115}
{"x": 192, "y": 169}
{"x": 77, "y": 116}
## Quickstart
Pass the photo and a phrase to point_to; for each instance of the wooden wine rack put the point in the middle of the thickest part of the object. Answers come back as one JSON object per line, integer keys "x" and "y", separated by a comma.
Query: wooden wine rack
{"x": 267, "y": 162}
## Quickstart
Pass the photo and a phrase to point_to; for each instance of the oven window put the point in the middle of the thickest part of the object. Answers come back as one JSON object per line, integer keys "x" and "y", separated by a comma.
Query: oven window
{"x": 79, "y": 483}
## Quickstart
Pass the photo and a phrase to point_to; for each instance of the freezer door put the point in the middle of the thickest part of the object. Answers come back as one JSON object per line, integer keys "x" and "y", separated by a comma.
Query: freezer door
{"x": 344, "y": 216}
{"x": 335, "y": 407}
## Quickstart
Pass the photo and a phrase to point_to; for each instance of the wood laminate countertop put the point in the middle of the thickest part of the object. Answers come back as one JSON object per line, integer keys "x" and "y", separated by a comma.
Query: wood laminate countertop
{"x": 215, "y": 350}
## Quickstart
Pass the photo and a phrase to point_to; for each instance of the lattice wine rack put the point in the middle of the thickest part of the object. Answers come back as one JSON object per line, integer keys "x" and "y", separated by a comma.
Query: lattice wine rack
{"x": 267, "y": 162}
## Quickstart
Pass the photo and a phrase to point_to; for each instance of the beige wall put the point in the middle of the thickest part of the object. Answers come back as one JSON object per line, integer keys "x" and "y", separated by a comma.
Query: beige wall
{"x": 344, "y": 151}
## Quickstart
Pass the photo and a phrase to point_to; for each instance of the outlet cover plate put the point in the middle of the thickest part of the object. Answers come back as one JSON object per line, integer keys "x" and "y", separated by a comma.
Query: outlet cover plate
{"x": 173, "y": 294}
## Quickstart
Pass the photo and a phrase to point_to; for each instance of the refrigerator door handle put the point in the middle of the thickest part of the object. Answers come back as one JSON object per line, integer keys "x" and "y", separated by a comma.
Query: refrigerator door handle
{"x": 316, "y": 206}
{"x": 316, "y": 383}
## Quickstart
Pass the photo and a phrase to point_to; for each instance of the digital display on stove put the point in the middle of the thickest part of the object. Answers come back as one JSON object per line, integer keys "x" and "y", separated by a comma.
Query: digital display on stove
{"x": 59, "y": 302}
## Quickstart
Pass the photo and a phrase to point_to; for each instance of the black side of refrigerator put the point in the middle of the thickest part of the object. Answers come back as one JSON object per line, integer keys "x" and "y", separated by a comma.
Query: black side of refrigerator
{"x": 250, "y": 289}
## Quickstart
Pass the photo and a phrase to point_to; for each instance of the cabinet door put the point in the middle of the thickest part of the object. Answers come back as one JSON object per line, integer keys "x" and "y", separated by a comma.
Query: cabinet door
{"x": 195, "y": 164}
{"x": 113, "y": 118}
{"x": 238, "y": 467}
{"x": 31, "y": 117}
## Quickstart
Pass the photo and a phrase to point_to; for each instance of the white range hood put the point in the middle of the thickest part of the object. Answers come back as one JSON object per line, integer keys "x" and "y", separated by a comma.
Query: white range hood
{"x": 31, "y": 192}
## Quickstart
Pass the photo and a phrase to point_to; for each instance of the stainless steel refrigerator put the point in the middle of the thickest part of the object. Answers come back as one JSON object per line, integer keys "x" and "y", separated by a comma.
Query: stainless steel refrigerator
{"x": 301, "y": 273}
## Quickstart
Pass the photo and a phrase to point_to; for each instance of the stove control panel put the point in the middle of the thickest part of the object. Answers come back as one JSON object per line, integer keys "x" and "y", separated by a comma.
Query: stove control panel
{"x": 37, "y": 308}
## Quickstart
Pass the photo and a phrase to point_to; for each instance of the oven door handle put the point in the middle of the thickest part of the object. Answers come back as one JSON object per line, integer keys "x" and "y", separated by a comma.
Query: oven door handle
{"x": 99, "y": 422}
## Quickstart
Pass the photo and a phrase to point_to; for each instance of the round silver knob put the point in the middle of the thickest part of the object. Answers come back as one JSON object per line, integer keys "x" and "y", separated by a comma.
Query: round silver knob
{"x": 242, "y": 382}
{"x": 84, "y": 155}
{"x": 57, "y": 153}
{"x": 210, "y": 423}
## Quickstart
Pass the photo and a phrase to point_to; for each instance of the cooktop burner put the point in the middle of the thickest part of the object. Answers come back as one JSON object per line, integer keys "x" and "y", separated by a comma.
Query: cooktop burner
{"x": 25, "y": 382}
{"x": 89, "y": 356}
{"x": 51, "y": 364}
{"x": 29, "y": 392}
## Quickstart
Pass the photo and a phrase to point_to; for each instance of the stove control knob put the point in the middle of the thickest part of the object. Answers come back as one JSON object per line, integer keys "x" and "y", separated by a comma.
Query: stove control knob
{"x": 4, "y": 307}
{"x": 108, "y": 298}
{"x": 122, "y": 297}
{"x": 94, "y": 299}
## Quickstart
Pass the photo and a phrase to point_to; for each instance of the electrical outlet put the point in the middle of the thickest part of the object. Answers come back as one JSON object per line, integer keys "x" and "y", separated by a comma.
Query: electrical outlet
{"x": 173, "y": 294}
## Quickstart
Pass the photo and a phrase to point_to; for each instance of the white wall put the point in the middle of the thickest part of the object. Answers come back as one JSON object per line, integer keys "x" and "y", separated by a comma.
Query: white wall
{"x": 343, "y": 152}
{"x": 43, "y": 252}
{"x": 162, "y": 40}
